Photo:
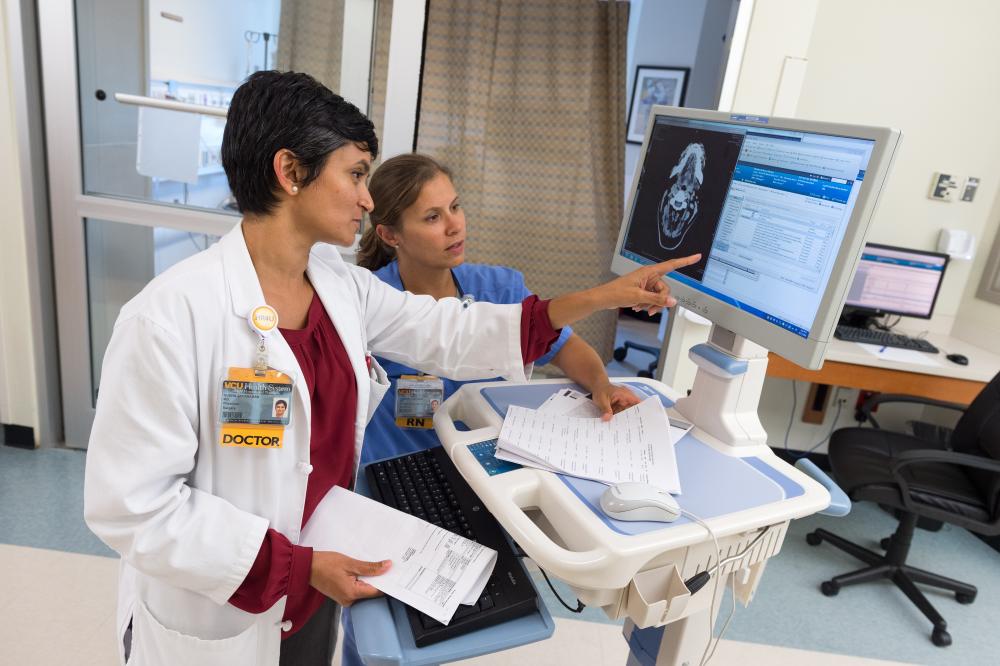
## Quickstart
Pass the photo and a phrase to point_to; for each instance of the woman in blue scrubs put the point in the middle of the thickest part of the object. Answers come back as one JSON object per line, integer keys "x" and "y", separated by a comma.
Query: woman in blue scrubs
{"x": 416, "y": 243}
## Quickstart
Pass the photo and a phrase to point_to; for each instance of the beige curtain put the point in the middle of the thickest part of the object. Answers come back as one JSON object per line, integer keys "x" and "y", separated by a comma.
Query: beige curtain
{"x": 310, "y": 39}
{"x": 525, "y": 100}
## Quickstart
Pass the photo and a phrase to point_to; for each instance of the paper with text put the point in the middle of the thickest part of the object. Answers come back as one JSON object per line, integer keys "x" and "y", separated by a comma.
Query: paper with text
{"x": 635, "y": 445}
{"x": 571, "y": 403}
{"x": 432, "y": 570}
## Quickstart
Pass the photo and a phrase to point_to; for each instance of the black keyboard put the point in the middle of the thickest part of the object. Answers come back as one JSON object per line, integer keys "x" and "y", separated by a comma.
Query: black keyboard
{"x": 426, "y": 484}
{"x": 883, "y": 338}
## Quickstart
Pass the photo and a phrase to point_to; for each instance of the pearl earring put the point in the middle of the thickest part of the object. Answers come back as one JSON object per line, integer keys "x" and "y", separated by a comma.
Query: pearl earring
{"x": 295, "y": 189}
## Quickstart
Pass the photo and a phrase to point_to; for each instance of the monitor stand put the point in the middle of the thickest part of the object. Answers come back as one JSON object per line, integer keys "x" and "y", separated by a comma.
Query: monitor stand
{"x": 857, "y": 318}
{"x": 726, "y": 392}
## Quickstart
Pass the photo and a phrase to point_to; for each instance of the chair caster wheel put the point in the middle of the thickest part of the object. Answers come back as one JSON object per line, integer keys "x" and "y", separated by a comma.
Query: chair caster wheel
{"x": 885, "y": 543}
{"x": 620, "y": 353}
{"x": 941, "y": 638}
{"x": 963, "y": 598}
{"x": 813, "y": 539}
{"x": 829, "y": 588}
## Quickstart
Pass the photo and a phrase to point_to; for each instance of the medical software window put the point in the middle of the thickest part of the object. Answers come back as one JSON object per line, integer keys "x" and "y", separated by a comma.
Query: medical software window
{"x": 767, "y": 208}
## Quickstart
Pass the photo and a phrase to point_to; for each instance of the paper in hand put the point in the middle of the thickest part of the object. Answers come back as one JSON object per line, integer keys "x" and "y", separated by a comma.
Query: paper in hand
{"x": 432, "y": 569}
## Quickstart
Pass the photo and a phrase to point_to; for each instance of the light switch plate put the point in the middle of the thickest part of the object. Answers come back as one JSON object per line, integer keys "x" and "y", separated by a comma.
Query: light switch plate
{"x": 942, "y": 187}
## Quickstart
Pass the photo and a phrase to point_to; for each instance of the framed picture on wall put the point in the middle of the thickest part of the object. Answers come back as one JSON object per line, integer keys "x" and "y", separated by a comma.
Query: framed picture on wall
{"x": 653, "y": 85}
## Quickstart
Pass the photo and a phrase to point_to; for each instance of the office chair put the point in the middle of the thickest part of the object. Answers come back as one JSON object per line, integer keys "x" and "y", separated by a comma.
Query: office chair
{"x": 621, "y": 352}
{"x": 956, "y": 482}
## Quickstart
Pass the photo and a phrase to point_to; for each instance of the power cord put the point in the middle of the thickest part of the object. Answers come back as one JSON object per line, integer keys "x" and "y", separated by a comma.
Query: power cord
{"x": 711, "y": 645}
{"x": 791, "y": 420}
{"x": 705, "y": 656}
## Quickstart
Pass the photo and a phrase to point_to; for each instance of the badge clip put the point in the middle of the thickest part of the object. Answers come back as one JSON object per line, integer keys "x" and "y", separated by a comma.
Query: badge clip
{"x": 263, "y": 319}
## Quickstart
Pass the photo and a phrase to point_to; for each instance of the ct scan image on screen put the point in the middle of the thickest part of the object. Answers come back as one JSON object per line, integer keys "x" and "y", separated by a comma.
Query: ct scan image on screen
{"x": 682, "y": 187}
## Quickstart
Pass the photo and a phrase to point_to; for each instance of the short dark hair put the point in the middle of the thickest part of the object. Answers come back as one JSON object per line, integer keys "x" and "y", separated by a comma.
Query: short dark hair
{"x": 280, "y": 402}
{"x": 274, "y": 110}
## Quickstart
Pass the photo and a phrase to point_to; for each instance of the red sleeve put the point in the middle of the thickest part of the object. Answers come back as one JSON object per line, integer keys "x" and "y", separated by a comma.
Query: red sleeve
{"x": 280, "y": 568}
{"x": 537, "y": 334}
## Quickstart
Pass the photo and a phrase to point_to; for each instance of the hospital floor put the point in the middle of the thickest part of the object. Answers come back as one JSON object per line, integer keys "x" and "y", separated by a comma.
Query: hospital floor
{"x": 57, "y": 585}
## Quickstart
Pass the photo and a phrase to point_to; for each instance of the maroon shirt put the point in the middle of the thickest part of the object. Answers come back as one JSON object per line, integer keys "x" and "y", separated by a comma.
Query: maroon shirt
{"x": 282, "y": 567}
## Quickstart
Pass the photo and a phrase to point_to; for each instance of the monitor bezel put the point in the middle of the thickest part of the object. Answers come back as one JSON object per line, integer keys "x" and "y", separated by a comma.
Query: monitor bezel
{"x": 807, "y": 352}
{"x": 879, "y": 311}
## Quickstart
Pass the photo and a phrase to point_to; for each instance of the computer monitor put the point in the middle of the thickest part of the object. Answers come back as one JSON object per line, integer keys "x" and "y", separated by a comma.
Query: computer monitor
{"x": 896, "y": 280}
{"x": 777, "y": 207}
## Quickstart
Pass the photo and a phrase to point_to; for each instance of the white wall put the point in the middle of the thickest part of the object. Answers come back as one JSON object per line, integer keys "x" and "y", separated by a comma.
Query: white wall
{"x": 929, "y": 72}
{"x": 978, "y": 321}
{"x": 208, "y": 47}
{"x": 778, "y": 29}
{"x": 934, "y": 75}
{"x": 663, "y": 33}
{"x": 18, "y": 396}
{"x": 678, "y": 33}
{"x": 403, "y": 78}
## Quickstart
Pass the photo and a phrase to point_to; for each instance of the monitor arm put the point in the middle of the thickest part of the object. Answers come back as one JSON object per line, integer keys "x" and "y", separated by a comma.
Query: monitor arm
{"x": 727, "y": 387}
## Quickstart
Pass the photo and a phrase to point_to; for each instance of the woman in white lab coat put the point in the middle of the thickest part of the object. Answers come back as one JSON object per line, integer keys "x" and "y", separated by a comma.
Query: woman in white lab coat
{"x": 192, "y": 475}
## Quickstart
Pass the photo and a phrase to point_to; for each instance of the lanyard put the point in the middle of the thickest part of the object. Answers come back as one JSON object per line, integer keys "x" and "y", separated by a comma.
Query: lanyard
{"x": 467, "y": 299}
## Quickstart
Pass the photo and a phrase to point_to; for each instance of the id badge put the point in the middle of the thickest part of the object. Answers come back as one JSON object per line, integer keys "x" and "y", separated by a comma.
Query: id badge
{"x": 417, "y": 398}
{"x": 255, "y": 409}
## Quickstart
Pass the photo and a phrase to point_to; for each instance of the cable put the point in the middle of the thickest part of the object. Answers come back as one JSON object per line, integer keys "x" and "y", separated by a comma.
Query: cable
{"x": 791, "y": 417}
{"x": 732, "y": 558}
{"x": 791, "y": 420}
{"x": 715, "y": 588}
{"x": 579, "y": 604}
{"x": 833, "y": 425}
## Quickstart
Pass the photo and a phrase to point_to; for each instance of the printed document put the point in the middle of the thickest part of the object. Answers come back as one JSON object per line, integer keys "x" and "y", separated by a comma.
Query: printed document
{"x": 432, "y": 569}
{"x": 571, "y": 403}
{"x": 635, "y": 445}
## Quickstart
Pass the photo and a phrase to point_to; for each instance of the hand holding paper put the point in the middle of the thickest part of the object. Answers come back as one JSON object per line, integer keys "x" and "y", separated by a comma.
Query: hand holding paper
{"x": 432, "y": 569}
{"x": 337, "y": 576}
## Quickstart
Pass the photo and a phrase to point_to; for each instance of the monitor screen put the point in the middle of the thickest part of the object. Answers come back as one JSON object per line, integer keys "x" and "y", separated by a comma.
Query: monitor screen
{"x": 895, "y": 280}
{"x": 767, "y": 208}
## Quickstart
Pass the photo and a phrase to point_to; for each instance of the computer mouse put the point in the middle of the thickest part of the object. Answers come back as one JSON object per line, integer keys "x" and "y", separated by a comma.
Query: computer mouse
{"x": 958, "y": 358}
{"x": 632, "y": 500}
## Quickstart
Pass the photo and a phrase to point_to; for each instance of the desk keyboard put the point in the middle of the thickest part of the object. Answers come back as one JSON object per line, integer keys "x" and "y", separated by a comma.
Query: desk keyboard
{"x": 883, "y": 338}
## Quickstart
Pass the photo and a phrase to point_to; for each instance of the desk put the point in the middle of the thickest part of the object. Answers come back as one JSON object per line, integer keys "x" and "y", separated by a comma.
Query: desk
{"x": 850, "y": 366}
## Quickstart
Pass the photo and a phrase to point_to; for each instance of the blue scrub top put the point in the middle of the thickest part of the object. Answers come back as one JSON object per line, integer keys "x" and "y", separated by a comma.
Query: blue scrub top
{"x": 491, "y": 284}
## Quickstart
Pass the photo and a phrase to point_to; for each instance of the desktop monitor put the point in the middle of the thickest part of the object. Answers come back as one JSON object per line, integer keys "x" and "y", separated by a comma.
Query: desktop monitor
{"x": 778, "y": 209}
{"x": 896, "y": 280}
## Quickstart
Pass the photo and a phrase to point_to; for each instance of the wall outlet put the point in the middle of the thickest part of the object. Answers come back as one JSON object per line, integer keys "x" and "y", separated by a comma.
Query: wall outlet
{"x": 943, "y": 187}
{"x": 971, "y": 185}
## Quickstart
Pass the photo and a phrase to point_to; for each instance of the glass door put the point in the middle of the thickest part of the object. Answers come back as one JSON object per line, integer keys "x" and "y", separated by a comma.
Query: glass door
{"x": 136, "y": 93}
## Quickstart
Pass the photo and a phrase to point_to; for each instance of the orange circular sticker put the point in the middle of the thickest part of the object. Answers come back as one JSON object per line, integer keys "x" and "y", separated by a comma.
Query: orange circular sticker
{"x": 263, "y": 319}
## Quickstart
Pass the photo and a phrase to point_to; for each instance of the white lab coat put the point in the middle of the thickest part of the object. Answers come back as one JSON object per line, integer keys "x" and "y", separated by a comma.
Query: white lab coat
{"x": 187, "y": 515}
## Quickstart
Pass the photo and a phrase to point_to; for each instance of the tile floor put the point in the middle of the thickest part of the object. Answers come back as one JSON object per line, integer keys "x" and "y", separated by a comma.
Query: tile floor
{"x": 74, "y": 593}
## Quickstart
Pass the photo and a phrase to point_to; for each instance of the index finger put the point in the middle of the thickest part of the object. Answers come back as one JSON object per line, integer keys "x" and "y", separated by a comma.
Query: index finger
{"x": 673, "y": 264}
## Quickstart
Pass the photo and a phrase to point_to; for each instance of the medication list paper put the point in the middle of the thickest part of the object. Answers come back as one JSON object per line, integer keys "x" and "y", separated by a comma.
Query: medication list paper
{"x": 635, "y": 445}
{"x": 432, "y": 569}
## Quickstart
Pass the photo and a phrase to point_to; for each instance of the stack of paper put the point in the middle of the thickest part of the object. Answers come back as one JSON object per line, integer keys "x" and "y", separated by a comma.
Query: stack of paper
{"x": 432, "y": 570}
{"x": 635, "y": 445}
